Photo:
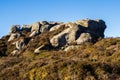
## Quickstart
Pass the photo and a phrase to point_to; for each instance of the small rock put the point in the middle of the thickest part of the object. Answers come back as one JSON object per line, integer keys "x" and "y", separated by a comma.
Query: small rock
{"x": 39, "y": 48}
{"x": 70, "y": 48}
{"x": 15, "y": 52}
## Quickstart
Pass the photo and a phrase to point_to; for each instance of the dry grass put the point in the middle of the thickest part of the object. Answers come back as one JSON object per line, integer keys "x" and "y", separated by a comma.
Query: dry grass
{"x": 99, "y": 61}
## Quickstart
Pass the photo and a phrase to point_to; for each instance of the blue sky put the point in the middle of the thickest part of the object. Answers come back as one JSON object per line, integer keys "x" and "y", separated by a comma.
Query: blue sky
{"x": 29, "y": 11}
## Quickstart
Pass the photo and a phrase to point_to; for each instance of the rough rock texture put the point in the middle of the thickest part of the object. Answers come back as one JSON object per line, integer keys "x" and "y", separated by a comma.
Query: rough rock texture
{"x": 60, "y": 39}
{"x": 79, "y": 32}
{"x": 84, "y": 37}
{"x": 67, "y": 36}
{"x": 71, "y": 37}
{"x": 54, "y": 35}
{"x": 36, "y": 26}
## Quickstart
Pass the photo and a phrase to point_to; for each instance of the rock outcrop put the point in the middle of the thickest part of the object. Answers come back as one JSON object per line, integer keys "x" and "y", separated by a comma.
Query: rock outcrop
{"x": 59, "y": 51}
{"x": 56, "y": 35}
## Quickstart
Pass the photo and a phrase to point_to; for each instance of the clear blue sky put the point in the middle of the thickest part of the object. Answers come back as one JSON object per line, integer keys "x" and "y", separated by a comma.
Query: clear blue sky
{"x": 29, "y": 11}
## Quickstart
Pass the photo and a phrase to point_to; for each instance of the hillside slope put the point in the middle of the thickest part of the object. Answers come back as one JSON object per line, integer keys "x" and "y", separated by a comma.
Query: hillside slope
{"x": 99, "y": 61}
{"x": 60, "y": 51}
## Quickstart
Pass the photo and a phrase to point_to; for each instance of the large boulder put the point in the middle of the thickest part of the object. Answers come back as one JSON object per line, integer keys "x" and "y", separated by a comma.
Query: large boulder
{"x": 79, "y": 32}
{"x": 72, "y": 34}
{"x": 84, "y": 37}
{"x": 52, "y": 23}
{"x": 68, "y": 36}
{"x": 93, "y": 26}
{"x": 60, "y": 39}
{"x": 35, "y": 26}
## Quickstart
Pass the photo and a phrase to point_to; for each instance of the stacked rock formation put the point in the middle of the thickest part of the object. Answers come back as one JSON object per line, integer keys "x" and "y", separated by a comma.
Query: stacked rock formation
{"x": 73, "y": 34}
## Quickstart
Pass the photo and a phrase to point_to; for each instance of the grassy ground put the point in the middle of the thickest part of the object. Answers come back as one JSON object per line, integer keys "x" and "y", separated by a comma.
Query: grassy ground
{"x": 99, "y": 61}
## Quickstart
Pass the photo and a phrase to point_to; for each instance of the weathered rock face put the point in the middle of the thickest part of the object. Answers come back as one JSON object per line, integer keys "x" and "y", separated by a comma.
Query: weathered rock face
{"x": 72, "y": 35}
{"x": 60, "y": 39}
{"x": 67, "y": 36}
{"x": 84, "y": 37}
{"x": 79, "y": 32}
{"x": 96, "y": 27}
{"x": 36, "y": 26}
{"x": 56, "y": 35}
